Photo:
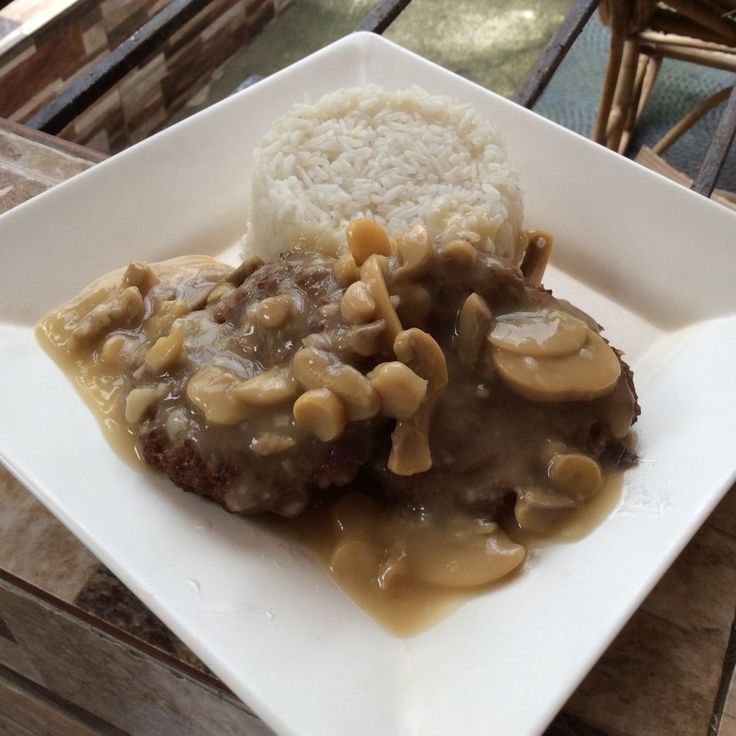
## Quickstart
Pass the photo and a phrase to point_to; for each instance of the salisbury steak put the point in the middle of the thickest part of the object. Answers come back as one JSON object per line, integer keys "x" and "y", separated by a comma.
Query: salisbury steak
{"x": 432, "y": 373}
{"x": 225, "y": 429}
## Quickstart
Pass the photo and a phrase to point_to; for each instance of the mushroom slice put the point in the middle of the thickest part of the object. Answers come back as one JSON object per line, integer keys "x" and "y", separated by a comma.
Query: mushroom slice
{"x": 269, "y": 443}
{"x": 273, "y": 311}
{"x": 541, "y": 510}
{"x": 416, "y": 252}
{"x": 319, "y": 369}
{"x": 248, "y": 266}
{"x": 366, "y": 238}
{"x": 589, "y": 373}
{"x": 120, "y": 307}
{"x": 473, "y": 326}
{"x": 574, "y": 474}
{"x": 355, "y": 559}
{"x": 209, "y": 389}
{"x": 320, "y": 412}
{"x": 166, "y": 351}
{"x": 456, "y": 554}
{"x": 461, "y": 253}
{"x": 164, "y": 314}
{"x": 536, "y": 256}
{"x": 414, "y": 305}
{"x": 371, "y": 272}
{"x": 410, "y": 451}
{"x": 346, "y": 270}
{"x": 140, "y": 400}
{"x": 546, "y": 333}
{"x": 366, "y": 339}
{"x": 401, "y": 390}
{"x": 219, "y": 292}
{"x": 392, "y": 570}
{"x": 271, "y": 387}
{"x": 480, "y": 562}
{"x": 118, "y": 351}
{"x": 357, "y": 305}
{"x": 141, "y": 275}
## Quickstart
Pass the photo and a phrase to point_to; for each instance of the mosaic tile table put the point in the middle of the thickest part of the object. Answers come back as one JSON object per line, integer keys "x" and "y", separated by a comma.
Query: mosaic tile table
{"x": 80, "y": 655}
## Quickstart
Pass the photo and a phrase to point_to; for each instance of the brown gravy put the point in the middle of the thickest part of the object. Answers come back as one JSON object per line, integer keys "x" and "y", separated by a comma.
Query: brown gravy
{"x": 410, "y": 605}
{"x": 515, "y": 439}
{"x": 405, "y": 608}
{"x": 101, "y": 383}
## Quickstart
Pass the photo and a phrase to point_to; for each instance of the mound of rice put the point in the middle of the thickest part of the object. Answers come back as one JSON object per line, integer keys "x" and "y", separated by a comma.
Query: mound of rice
{"x": 399, "y": 157}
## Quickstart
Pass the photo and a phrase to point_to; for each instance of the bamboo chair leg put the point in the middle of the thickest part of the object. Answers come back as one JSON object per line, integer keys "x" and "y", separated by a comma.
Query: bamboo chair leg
{"x": 632, "y": 117}
{"x": 609, "y": 85}
{"x": 643, "y": 92}
{"x": 682, "y": 126}
{"x": 650, "y": 77}
{"x": 623, "y": 98}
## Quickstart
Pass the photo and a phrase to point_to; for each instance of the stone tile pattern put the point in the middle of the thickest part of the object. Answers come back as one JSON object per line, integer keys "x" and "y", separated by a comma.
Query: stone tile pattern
{"x": 33, "y": 544}
{"x": 662, "y": 676}
{"x": 36, "y": 547}
{"x": 105, "y": 597}
{"x": 28, "y": 168}
{"x": 38, "y": 67}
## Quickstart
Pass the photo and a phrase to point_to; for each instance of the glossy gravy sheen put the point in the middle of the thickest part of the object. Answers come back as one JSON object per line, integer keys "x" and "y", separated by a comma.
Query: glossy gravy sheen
{"x": 236, "y": 383}
{"x": 407, "y": 606}
{"x": 102, "y": 383}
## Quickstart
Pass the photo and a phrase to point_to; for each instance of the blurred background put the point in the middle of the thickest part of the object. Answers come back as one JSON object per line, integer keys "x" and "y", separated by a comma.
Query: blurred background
{"x": 47, "y": 45}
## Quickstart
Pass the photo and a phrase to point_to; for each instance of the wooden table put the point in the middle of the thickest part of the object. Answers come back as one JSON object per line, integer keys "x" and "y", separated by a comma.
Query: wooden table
{"x": 80, "y": 655}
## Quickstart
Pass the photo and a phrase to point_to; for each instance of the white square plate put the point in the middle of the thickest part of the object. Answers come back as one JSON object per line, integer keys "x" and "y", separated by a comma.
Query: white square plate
{"x": 650, "y": 260}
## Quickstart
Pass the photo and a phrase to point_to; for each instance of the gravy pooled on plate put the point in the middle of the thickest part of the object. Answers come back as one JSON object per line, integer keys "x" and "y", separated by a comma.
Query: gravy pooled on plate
{"x": 418, "y": 397}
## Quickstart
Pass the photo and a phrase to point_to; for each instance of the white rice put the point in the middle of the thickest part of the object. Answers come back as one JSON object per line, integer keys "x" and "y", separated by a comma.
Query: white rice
{"x": 399, "y": 157}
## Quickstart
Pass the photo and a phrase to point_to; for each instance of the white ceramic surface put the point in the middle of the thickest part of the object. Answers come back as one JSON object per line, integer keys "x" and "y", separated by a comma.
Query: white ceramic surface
{"x": 652, "y": 261}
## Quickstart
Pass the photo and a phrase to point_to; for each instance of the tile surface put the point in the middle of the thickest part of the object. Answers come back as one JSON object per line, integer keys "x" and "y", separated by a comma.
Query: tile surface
{"x": 37, "y": 62}
{"x": 105, "y": 597}
{"x": 36, "y": 547}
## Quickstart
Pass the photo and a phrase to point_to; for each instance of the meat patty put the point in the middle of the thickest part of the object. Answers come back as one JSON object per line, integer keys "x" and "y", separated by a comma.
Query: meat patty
{"x": 428, "y": 374}
{"x": 255, "y": 464}
{"x": 486, "y": 439}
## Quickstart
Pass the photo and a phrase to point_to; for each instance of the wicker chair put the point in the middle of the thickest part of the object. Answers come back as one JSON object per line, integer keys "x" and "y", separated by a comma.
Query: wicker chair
{"x": 643, "y": 32}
